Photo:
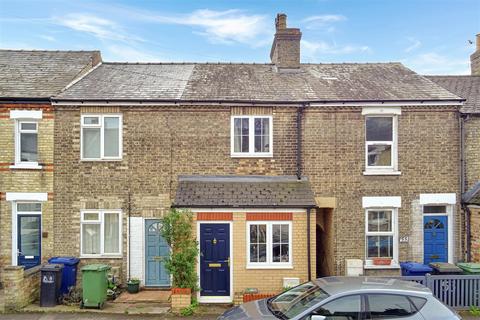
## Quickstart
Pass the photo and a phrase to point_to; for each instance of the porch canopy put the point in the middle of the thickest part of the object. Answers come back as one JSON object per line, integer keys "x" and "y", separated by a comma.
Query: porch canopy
{"x": 244, "y": 192}
{"x": 473, "y": 195}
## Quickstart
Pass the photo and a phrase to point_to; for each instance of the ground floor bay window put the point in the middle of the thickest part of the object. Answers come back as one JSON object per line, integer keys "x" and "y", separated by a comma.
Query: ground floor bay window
{"x": 101, "y": 233}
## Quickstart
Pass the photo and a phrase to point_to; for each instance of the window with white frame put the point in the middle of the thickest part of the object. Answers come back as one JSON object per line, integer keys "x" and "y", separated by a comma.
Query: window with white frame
{"x": 251, "y": 136}
{"x": 380, "y": 142}
{"x": 26, "y": 149}
{"x": 269, "y": 244}
{"x": 381, "y": 234}
{"x": 101, "y": 137}
{"x": 101, "y": 232}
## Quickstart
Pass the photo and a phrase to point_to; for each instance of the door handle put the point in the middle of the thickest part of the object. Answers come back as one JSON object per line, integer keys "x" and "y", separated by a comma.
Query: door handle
{"x": 228, "y": 262}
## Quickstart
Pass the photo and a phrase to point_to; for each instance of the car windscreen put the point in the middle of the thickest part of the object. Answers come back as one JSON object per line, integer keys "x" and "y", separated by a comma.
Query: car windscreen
{"x": 294, "y": 301}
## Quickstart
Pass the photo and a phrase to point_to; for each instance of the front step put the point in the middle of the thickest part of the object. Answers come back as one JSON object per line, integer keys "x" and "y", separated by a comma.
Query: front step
{"x": 145, "y": 296}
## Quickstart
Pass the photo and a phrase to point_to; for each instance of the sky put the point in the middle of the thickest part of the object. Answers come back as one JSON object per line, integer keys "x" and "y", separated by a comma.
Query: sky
{"x": 428, "y": 36}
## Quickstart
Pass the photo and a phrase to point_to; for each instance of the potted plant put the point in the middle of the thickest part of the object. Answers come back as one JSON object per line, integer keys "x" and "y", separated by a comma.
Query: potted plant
{"x": 133, "y": 285}
{"x": 181, "y": 264}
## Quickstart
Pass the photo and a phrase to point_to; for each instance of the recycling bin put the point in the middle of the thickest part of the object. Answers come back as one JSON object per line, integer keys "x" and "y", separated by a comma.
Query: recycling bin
{"x": 95, "y": 285}
{"x": 69, "y": 274}
{"x": 410, "y": 268}
{"x": 445, "y": 268}
{"x": 50, "y": 282}
{"x": 469, "y": 268}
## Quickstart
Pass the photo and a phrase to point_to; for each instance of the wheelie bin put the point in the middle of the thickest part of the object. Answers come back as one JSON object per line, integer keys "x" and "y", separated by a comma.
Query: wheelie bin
{"x": 470, "y": 267}
{"x": 69, "y": 274}
{"x": 410, "y": 268}
{"x": 95, "y": 285}
{"x": 50, "y": 282}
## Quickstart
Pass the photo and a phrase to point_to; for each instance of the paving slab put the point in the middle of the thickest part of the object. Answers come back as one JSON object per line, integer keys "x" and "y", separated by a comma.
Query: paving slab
{"x": 158, "y": 296}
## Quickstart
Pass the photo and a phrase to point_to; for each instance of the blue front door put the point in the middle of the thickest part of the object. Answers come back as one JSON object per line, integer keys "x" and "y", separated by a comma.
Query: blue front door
{"x": 215, "y": 259}
{"x": 29, "y": 240}
{"x": 156, "y": 250}
{"x": 435, "y": 239}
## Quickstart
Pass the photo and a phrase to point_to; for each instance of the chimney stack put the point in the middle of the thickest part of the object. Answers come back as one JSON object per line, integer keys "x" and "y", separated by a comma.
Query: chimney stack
{"x": 285, "y": 53}
{"x": 475, "y": 59}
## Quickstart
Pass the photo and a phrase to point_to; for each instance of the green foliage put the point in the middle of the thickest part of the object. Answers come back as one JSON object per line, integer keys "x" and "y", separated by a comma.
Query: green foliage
{"x": 190, "y": 310}
{"x": 177, "y": 231}
{"x": 474, "y": 311}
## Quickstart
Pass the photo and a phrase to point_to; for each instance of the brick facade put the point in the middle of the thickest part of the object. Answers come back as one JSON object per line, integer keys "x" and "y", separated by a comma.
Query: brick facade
{"x": 25, "y": 180}
{"x": 162, "y": 142}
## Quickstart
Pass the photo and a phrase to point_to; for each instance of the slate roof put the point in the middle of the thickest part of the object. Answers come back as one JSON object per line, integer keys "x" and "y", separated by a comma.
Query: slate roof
{"x": 243, "y": 192}
{"x": 40, "y": 74}
{"x": 467, "y": 87}
{"x": 473, "y": 195}
{"x": 255, "y": 82}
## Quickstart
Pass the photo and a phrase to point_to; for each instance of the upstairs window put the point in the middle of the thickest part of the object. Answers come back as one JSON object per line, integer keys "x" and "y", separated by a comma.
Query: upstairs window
{"x": 101, "y": 137}
{"x": 380, "y": 144}
{"x": 27, "y": 143}
{"x": 251, "y": 136}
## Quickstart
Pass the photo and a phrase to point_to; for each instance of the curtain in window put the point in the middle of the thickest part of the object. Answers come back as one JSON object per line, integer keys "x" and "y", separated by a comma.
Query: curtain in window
{"x": 111, "y": 137}
{"x": 91, "y": 142}
{"x": 262, "y": 135}
{"x": 111, "y": 234}
{"x": 91, "y": 238}
{"x": 28, "y": 147}
{"x": 240, "y": 132}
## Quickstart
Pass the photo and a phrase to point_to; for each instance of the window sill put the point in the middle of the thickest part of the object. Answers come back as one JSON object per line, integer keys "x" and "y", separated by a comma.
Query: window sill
{"x": 379, "y": 267}
{"x": 101, "y": 256}
{"x": 268, "y": 266}
{"x": 101, "y": 160}
{"x": 382, "y": 173}
{"x": 249, "y": 155}
{"x": 33, "y": 166}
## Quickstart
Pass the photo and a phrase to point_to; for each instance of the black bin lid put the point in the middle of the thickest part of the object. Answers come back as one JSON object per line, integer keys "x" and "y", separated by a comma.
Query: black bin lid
{"x": 52, "y": 267}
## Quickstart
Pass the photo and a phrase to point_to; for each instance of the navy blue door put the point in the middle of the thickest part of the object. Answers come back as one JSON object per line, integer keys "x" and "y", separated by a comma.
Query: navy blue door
{"x": 435, "y": 239}
{"x": 156, "y": 250}
{"x": 215, "y": 259}
{"x": 29, "y": 240}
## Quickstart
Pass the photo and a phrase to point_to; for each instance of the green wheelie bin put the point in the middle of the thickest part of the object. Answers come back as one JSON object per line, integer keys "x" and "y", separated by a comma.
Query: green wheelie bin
{"x": 469, "y": 267}
{"x": 95, "y": 285}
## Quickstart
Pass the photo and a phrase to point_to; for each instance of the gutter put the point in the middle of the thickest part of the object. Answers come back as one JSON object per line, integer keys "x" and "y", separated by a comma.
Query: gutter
{"x": 24, "y": 100}
{"x": 309, "y": 255}
{"x": 225, "y": 206}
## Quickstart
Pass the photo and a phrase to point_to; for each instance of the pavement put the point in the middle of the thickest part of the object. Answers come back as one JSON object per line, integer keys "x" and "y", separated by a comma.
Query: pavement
{"x": 97, "y": 316}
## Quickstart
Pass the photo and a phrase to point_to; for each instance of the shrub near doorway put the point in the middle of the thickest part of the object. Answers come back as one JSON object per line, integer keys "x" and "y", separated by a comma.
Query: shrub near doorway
{"x": 177, "y": 232}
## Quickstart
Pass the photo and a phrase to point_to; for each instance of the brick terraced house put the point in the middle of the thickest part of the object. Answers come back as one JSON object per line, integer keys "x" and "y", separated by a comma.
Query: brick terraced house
{"x": 291, "y": 169}
{"x": 27, "y": 81}
{"x": 468, "y": 87}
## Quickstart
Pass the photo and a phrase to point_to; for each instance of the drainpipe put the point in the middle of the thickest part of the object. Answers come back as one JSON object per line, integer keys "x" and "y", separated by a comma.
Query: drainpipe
{"x": 309, "y": 256}
{"x": 463, "y": 187}
{"x": 299, "y": 141}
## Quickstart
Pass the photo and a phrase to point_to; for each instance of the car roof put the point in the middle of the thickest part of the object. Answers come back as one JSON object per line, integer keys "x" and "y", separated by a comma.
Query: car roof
{"x": 337, "y": 285}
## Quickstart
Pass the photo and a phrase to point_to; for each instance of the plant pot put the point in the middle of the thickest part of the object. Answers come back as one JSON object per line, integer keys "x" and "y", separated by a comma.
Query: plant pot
{"x": 133, "y": 286}
{"x": 382, "y": 261}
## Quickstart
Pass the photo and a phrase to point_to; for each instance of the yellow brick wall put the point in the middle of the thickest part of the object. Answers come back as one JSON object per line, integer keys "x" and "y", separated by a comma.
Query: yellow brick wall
{"x": 16, "y": 180}
{"x": 271, "y": 280}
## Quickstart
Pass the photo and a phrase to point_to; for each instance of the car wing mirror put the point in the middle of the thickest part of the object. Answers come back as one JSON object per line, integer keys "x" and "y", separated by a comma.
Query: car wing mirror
{"x": 317, "y": 317}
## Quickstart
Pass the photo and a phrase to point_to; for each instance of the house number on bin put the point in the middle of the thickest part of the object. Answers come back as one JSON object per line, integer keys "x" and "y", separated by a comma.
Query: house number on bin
{"x": 47, "y": 279}
{"x": 404, "y": 239}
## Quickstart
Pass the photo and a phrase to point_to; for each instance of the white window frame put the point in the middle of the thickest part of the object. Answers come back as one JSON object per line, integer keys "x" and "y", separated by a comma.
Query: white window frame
{"x": 269, "y": 264}
{"x": 393, "y": 233}
{"x": 18, "y": 131}
{"x": 101, "y": 125}
{"x": 379, "y": 170}
{"x": 251, "y": 137}
{"x": 101, "y": 222}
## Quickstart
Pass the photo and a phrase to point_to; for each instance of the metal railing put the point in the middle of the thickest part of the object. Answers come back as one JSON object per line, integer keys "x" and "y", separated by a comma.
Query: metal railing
{"x": 457, "y": 291}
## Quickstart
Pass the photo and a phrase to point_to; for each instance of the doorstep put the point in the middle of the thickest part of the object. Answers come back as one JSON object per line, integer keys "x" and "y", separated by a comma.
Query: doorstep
{"x": 150, "y": 296}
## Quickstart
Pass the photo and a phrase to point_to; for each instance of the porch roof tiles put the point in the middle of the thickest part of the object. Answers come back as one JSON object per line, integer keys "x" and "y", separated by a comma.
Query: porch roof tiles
{"x": 244, "y": 192}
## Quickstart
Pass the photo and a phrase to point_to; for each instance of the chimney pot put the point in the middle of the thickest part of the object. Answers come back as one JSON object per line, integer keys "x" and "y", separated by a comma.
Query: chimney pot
{"x": 281, "y": 21}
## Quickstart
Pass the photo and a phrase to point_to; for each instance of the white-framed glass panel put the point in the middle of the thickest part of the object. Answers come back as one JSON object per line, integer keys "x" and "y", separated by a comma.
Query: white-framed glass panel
{"x": 26, "y": 142}
{"x": 435, "y": 209}
{"x": 251, "y": 136}
{"x": 380, "y": 142}
{"x": 29, "y": 207}
{"x": 101, "y": 137}
{"x": 381, "y": 237}
{"x": 101, "y": 233}
{"x": 269, "y": 244}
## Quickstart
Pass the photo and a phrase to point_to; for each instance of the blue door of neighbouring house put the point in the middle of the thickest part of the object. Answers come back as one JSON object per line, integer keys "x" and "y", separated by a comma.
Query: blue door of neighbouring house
{"x": 435, "y": 239}
{"x": 214, "y": 259}
{"x": 156, "y": 250}
{"x": 29, "y": 240}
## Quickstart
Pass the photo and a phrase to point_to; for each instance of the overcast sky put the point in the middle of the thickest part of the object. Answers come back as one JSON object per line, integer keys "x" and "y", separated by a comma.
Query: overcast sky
{"x": 429, "y": 36}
